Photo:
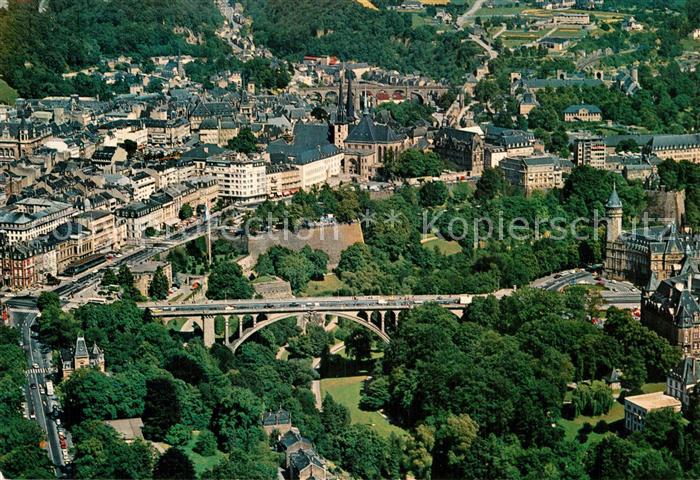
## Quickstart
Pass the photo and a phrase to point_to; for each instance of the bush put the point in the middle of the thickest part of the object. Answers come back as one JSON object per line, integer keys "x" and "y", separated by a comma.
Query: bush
{"x": 178, "y": 435}
{"x": 601, "y": 427}
{"x": 206, "y": 444}
{"x": 586, "y": 428}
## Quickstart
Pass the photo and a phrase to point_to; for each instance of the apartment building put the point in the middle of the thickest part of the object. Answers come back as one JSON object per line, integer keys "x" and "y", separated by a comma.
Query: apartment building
{"x": 132, "y": 131}
{"x": 108, "y": 235}
{"x": 240, "y": 178}
{"x": 533, "y": 173}
{"x": 171, "y": 172}
{"x": 25, "y": 265}
{"x": 139, "y": 217}
{"x": 161, "y": 210}
{"x": 282, "y": 180}
{"x": 590, "y": 151}
{"x": 30, "y": 218}
{"x": 218, "y": 131}
{"x": 144, "y": 185}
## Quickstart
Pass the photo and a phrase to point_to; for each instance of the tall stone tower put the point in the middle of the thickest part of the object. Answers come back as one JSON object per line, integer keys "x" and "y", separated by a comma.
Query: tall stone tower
{"x": 340, "y": 128}
{"x": 615, "y": 250}
{"x": 613, "y": 211}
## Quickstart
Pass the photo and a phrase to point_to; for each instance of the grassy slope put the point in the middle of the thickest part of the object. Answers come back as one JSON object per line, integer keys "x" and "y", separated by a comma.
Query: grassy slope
{"x": 7, "y": 93}
{"x": 616, "y": 413}
{"x": 201, "y": 463}
{"x": 325, "y": 287}
{"x": 346, "y": 390}
{"x": 445, "y": 247}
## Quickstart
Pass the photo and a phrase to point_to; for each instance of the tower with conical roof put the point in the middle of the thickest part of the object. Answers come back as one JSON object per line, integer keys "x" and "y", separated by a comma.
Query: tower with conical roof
{"x": 613, "y": 210}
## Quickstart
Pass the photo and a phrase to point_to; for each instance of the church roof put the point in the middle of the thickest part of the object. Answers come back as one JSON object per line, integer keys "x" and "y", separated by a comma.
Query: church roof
{"x": 368, "y": 132}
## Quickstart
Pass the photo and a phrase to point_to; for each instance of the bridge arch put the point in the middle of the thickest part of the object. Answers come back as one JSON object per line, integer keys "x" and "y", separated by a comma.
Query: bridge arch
{"x": 315, "y": 96}
{"x": 418, "y": 97}
{"x": 356, "y": 317}
{"x": 331, "y": 97}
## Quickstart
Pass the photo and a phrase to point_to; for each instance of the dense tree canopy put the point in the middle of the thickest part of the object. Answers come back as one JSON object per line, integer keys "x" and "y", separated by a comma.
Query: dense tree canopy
{"x": 293, "y": 28}
{"x": 35, "y": 49}
{"x": 227, "y": 281}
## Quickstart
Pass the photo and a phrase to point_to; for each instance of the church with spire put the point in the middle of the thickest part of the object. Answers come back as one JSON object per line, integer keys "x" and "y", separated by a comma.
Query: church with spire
{"x": 344, "y": 115}
{"x": 366, "y": 144}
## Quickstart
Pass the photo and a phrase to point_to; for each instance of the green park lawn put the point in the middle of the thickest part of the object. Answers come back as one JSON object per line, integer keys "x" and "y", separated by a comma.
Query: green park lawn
{"x": 201, "y": 463}
{"x": 324, "y": 288}
{"x": 571, "y": 427}
{"x": 8, "y": 94}
{"x": 569, "y": 33}
{"x": 177, "y": 324}
{"x": 346, "y": 390}
{"x": 616, "y": 413}
{"x": 445, "y": 247}
{"x": 264, "y": 279}
{"x": 499, "y": 11}
{"x": 689, "y": 45}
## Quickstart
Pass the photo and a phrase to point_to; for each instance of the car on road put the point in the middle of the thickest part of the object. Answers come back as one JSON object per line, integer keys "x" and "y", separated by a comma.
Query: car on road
{"x": 32, "y": 386}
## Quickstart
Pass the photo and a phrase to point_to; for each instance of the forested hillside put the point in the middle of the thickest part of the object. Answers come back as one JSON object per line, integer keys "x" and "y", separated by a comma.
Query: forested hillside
{"x": 293, "y": 28}
{"x": 36, "y": 48}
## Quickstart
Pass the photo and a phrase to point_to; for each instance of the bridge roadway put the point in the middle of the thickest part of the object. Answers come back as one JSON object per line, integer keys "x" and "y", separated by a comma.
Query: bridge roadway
{"x": 376, "y": 313}
{"x": 306, "y": 304}
{"x": 373, "y": 312}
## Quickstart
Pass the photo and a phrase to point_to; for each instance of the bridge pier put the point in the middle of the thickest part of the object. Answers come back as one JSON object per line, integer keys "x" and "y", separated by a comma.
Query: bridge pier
{"x": 208, "y": 331}
{"x": 240, "y": 326}
{"x": 226, "y": 332}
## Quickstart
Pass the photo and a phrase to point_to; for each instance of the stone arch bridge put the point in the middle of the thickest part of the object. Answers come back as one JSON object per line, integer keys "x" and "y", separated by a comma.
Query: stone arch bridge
{"x": 378, "y": 314}
{"x": 421, "y": 93}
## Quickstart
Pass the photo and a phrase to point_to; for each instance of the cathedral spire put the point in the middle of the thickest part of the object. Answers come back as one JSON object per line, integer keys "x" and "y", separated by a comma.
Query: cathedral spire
{"x": 350, "y": 104}
{"x": 340, "y": 116}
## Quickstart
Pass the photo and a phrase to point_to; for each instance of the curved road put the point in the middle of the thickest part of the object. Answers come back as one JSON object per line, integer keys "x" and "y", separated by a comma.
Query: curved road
{"x": 462, "y": 19}
{"x": 618, "y": 294}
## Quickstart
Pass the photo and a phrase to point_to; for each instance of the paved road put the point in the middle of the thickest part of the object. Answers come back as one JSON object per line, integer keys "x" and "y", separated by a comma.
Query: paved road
{"x": 489, "y": 50}
{"x": 139, "y": 255}
{"x": 40, "y": 404}
{"x": 499, "y": 32}
{"x": 617, "y": 294}
{"x": 462, "y": 19}
{"x": 310, "y": 304}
